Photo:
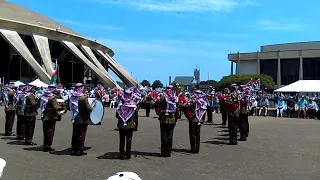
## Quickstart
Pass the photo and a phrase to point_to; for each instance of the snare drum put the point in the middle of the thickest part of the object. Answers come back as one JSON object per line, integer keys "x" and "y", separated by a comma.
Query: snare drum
{"x": 97, "y": 113}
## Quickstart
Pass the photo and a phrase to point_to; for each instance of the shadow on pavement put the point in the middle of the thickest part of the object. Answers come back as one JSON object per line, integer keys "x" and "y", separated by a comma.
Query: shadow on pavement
{"x": 182, "y": 151}
{"x": 9, "y": 138}
{"x": 16, "y": 143}
{"x": 110, "y": 155}
{"x": 38, "y": 148}
{"x": 216, "y": 142}
{"x": 66, "y": 151}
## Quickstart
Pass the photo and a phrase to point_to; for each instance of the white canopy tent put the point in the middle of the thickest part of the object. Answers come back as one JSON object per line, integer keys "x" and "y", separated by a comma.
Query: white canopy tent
{"x": 38, "y": 83}
{"x": 18, "y": 83}
{"x": 301, "y": 86}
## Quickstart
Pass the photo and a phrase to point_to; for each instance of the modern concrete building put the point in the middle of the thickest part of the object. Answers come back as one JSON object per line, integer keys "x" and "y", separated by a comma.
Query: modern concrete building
{"x": 286, "y": 63}
{"x": 30, "y": 44}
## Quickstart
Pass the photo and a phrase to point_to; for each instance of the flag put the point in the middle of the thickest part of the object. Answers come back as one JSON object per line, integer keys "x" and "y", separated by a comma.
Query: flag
{"x": 256, "y": 84}
{"x": 54, "y": 74}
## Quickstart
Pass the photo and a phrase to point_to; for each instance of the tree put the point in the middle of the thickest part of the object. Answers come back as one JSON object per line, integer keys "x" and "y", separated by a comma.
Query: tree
{"x": 145, "y": 83}
{"x": 181, "y": 86}
{"x": 265, "y": 80}
{"x": 157, "y": 84}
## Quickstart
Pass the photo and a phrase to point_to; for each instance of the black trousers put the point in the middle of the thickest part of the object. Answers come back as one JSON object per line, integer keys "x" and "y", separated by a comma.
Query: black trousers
{"x": 290, "y": 112}
{"x": 136, "y": 120}
{"x": 148, "y": 107}
{"x": 224, "y": 115}
{"x": 30, "y": 123}
{"x": 49, "y": 127}
{"x": 125, "y": 141}
{"x": 9, "y": 121}
{"x": 166, "y": 138}
{"x": 233, "y": 128}
{"x": 20, "y": 127}
{"x": 79, "y": 132}
{"x": 243, "y": 125}
{"x": 209, "y": 113}
{"x": 194, "y": 136}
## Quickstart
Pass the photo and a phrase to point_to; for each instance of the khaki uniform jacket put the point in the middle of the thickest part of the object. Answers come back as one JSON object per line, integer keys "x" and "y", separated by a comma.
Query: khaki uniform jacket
{"x": 31, "y": 108}
{"x": 130, "y": 123}
{"x": 19, "y": 111}
{"x": 50, "y": 113}
{"x": 84, "y": 111}
{"x": 194, "y": 119}
{"x": 163, "y": 118}
{"x": 10, "y": 106}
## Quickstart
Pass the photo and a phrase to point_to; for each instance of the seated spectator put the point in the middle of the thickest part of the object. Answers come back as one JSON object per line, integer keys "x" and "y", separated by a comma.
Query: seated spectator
{"x": 264, "y": 104}
{"x": 291, "y": 107}
{"x": 311, "y": 109}
{"x": 302, "y": 102}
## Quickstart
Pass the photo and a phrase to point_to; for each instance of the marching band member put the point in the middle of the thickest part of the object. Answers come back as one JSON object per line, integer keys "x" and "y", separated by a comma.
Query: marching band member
{"x": 49, "y": 116}
{"x": 233, "y": 117}
{"x": 30, "y": 113}
{"x": 168, "y": 105}
{"x": 243, "y": 118}
{"x": 9, "y": 109}
{"x": 125, "y": 113}
{"x": 137, "y": 99}
{"x": 147, "y": 103}
{"x": 19, "y": 106}
{"x": 195, "y": 113}
{"x": 223, "y": 99}
{"x": 80, "y": 111}
{"x": 210, "y": 97}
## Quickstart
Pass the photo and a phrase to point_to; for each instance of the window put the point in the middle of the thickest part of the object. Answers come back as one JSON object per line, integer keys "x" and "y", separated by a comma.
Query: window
{"x": 289, "y": 71}
{"x": 311, "y": 68}
{"x": 269, "y": 67}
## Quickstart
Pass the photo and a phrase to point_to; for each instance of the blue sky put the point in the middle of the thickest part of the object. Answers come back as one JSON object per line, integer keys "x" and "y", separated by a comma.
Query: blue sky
{"x": 154, "y": 39}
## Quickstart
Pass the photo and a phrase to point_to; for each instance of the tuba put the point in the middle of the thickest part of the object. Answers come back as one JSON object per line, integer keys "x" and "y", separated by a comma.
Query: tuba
{"x": 62, "y": 106}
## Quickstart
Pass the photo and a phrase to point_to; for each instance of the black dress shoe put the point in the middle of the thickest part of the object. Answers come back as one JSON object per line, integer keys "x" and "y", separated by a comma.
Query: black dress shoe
{"x": 122, "y": 157}
{"x": 243, "y": 139}
{"x": 233, "y": 143}
{"x": 30, "y": 143}
{"x": 80, "y": 153}
{"x": 192, "y": 151}
{"x": 48, "y": 149}
{"x": 9, "y": 134}
{"x": 128, "y": 156}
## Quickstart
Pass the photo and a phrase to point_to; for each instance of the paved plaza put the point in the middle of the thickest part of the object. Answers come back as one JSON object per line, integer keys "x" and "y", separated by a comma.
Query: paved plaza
{"x": 276, "y": 149}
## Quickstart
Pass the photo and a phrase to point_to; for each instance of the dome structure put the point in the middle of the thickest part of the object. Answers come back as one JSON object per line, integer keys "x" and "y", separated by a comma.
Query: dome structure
{"x": 18, "y": 24}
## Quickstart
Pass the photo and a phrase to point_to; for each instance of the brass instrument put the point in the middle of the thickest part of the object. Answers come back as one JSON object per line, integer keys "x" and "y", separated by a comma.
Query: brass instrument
{"x": 63, "y": 106}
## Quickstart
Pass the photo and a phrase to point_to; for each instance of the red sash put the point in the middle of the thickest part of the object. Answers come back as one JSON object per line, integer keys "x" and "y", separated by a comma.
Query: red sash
{"x": 158, "y": 110}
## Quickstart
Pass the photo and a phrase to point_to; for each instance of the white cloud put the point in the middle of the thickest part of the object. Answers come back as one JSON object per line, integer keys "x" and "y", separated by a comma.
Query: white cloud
{"x": 289, "y": 25}
{"x": 177, "y": 5}
{"x": 91, "y": 26}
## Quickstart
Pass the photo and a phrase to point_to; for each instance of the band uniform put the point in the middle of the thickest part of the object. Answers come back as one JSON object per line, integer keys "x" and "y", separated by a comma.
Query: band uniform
{"x": 30, "y": 113}
{"x": 20, "y": 131}
{"x": 80, "y": 126}
{"x": 233, "y": 110}
{"x": 126, "y": 134}
{"x": 209, "y": 108}
{"x": 243, "y": 119}
{"x": 49, "y": 119}
{"x": 10, "y": 114}
{"x": 167, "y": 124}
{"x": 194, "y": 127}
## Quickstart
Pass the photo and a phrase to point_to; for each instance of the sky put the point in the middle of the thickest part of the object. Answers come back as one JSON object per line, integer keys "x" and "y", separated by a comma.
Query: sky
{"x": 155, "y": 39}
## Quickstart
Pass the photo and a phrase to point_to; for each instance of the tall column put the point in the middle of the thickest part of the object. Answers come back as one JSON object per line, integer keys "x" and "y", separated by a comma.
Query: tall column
{"x": 279, "y": 74}
{"x": 258, "y": 66}
{"x": 301, "y": 67}
{"x": 238, "y": 64}
{"x": 231, "y": 70}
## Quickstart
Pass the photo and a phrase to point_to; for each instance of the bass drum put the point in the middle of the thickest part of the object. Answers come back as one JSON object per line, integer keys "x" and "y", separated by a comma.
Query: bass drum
{"x": 97, "y": 113}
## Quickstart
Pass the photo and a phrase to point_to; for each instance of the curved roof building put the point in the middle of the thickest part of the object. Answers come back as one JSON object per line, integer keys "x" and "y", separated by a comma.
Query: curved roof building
{"x": 32, "y": 42}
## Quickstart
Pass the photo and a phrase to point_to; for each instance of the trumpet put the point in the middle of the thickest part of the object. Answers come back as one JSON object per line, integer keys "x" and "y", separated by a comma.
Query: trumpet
{"x": 62, "y": 106}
